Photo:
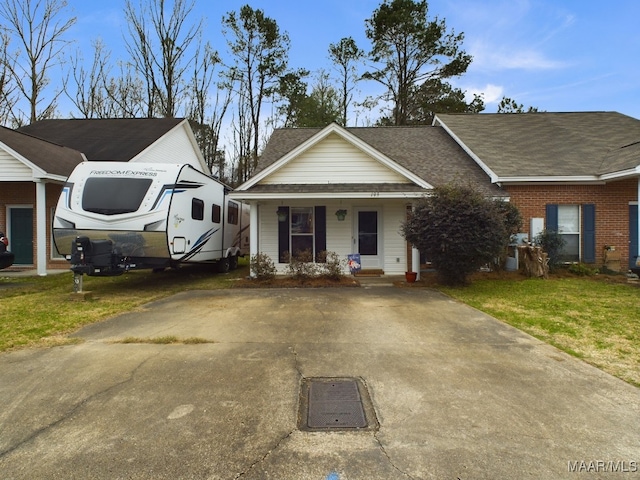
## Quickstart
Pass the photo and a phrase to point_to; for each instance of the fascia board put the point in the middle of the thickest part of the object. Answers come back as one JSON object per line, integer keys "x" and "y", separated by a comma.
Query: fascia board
{"x": 631, "y": 172}
{"x": 588, "y": 179}
{"x": 238, "y": 195}
{"x": 492, "y": 175}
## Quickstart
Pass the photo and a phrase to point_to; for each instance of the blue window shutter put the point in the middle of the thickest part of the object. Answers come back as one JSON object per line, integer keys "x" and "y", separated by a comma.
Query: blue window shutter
{"x": 589, "y": 233}
{"x": 320, "y": 218}
{"x": 283, "y": 236}
{"x": 552, "y": 217}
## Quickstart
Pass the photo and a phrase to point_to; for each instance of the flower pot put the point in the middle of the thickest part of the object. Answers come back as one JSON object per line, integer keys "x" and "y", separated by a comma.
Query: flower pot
{"x": 410, "y": 276}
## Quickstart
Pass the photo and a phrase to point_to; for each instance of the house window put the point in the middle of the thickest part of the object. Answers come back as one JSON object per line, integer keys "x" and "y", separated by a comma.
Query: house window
{"x": 569, "y": 228}
{"x": 577, "y": 225}
{"x": 197, "y": 209}
{"x": 301, "y": 230}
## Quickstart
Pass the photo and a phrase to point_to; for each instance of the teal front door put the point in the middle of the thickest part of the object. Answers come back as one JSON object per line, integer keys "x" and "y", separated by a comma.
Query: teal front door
{"x": 21, "y": 240}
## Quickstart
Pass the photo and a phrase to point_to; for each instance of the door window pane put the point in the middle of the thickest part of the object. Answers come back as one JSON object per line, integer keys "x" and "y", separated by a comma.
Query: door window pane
{"x": 368, "y": 233}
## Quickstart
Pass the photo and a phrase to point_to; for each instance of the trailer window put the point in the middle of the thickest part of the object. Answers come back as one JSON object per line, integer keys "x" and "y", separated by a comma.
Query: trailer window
{"x": 111, "y": 196}
{"x": 197, "y": 209}
{"x": 215, "y": 213}
{"x": 232, "y": 213}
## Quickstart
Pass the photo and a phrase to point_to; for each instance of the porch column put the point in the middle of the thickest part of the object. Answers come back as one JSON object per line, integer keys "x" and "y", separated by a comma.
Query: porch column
{"x": 41, "y": 227}
{"x": 254, "y": 217}
{"x": 415, "y": 261}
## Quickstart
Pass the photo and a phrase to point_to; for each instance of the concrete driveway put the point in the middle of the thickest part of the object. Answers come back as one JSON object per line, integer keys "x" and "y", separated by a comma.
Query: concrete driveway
{"x": 455, "y": 393}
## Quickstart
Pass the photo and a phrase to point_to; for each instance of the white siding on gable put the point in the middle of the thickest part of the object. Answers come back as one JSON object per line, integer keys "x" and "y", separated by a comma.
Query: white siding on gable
{"x": 12, "y": 169}
{"x": 173, "y": 147}
{"x": 334, "y": 160}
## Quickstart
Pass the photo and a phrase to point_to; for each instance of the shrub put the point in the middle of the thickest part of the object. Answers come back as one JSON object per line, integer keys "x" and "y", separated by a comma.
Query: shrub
{"x": 552, "y": 243}
{"x": 459, "y": 231}
{"x": 262, "y": 267}
{"x": 301, "y": 265}
{"x": 583, "y": 270}
{"x": 331, "y": 265}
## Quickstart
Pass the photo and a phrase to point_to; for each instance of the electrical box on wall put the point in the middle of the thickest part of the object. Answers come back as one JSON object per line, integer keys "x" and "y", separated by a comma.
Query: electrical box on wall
{"x": 537, "y": 226}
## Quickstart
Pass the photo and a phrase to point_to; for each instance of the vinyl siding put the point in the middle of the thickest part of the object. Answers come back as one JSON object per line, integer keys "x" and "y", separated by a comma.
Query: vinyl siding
{"x": 334, "y": 160}
{"x": 12, "y": 170}
{"x": 174, "y": 147}
{"x": 340, "y": 234}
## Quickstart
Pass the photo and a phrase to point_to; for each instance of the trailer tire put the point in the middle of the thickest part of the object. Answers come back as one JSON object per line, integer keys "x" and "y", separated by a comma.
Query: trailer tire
{"x": 233, "y": 262}
{"x": 223, "y": 265}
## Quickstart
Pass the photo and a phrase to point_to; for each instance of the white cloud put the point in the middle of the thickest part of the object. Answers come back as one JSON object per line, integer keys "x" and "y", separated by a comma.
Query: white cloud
{"x": 488, "y": 57}
{"x": 490, "y": 93}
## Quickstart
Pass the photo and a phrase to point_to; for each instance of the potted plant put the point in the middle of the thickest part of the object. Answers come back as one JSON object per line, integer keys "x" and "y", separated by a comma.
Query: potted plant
{"x": 410, "y": 277}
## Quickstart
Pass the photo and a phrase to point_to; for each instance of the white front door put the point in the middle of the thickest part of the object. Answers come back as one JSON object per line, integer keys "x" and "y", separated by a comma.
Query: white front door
{"x": 368, "y": 237}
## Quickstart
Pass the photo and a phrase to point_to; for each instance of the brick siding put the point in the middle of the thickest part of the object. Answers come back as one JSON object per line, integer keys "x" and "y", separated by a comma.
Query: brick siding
{"x": 611, "y": 202}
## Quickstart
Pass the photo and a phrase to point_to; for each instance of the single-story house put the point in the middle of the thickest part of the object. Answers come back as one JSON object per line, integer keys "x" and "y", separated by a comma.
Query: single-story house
{"x": 36, "y": 160}
{"x": 347, "y": 190}
{"x": 577, "y": 173}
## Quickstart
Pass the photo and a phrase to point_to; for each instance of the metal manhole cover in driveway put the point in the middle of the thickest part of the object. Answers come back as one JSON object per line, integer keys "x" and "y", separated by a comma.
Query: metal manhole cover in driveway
{"x": 334, "y": 403}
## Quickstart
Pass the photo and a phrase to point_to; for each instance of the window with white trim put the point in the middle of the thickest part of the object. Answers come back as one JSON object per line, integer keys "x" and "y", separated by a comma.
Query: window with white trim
{"x": 301, "y": 230}
{"x": 569, "y": 228}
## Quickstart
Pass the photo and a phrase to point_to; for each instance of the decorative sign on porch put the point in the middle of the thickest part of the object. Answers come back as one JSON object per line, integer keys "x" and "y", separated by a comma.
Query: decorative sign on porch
{"x": 353, "y": 260}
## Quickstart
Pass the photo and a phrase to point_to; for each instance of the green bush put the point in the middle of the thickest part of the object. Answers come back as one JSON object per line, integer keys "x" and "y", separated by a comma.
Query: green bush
{"x": 552, "y": 243}
{"x": 583, "y": 270}
{"x": 458, "y": 229}
{"x": 262, "y": 267}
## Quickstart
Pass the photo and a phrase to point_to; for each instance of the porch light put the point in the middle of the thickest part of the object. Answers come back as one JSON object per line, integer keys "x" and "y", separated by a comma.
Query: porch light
{"x": 341, "y": 214}
{"x": 282, "y": 214}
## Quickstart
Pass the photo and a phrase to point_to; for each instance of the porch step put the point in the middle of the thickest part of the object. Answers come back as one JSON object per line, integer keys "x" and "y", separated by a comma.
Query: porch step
{"x": 371, "y": 272}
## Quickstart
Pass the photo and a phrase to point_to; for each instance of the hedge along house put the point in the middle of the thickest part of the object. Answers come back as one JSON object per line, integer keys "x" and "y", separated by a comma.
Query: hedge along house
{"x": 576, "y": 173}
{"x": 36, "y": 160}
{"x": 347, "y": 190}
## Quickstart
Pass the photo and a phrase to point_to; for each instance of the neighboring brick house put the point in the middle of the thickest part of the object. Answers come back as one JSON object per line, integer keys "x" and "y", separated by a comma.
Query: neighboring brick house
{"x": 36, "y": 160}
{"x": 577, "y": 173}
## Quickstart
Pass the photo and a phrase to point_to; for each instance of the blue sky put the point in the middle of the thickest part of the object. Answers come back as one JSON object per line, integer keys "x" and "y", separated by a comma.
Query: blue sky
{"x": 557, "y": 55}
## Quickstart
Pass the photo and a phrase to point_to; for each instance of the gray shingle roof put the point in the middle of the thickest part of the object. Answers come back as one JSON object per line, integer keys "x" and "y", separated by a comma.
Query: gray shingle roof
{"x": 428, "y": 152}
{"x": 50, "y": 157}
{"x": 118, "y": 139}
{"x": 549, "y": 144}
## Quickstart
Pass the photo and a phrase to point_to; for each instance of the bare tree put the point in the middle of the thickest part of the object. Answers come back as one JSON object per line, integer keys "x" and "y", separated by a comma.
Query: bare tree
{"x": 346, "y": 55}
{"x": 207, "y": 111}
{"x": 160, "y": 47}
{"x": 37, "y": 27}
{"x": 260, "y": 54}
{"x": 90, "y": 96}
{"x": 8, "y": 87}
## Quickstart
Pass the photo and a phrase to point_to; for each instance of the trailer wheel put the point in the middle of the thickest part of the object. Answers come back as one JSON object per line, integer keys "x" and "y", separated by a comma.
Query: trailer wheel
{"x": 233, "y": 262}
{"x": 223, "y": 265}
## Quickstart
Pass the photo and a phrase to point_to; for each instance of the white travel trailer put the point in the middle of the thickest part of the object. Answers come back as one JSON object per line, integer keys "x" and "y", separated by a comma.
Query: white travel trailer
{"x": 116, "y": 216}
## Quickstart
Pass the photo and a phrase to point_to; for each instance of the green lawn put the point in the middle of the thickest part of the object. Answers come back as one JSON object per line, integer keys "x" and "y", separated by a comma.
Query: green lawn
{"x": 592, "y": 318}
{"x": 38, "y": 311}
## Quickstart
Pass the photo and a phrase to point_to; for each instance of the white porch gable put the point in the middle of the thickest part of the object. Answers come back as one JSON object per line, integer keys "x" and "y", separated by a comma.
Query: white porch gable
{"x": 334, "y": 160}
{"x": 334, "y": 156}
